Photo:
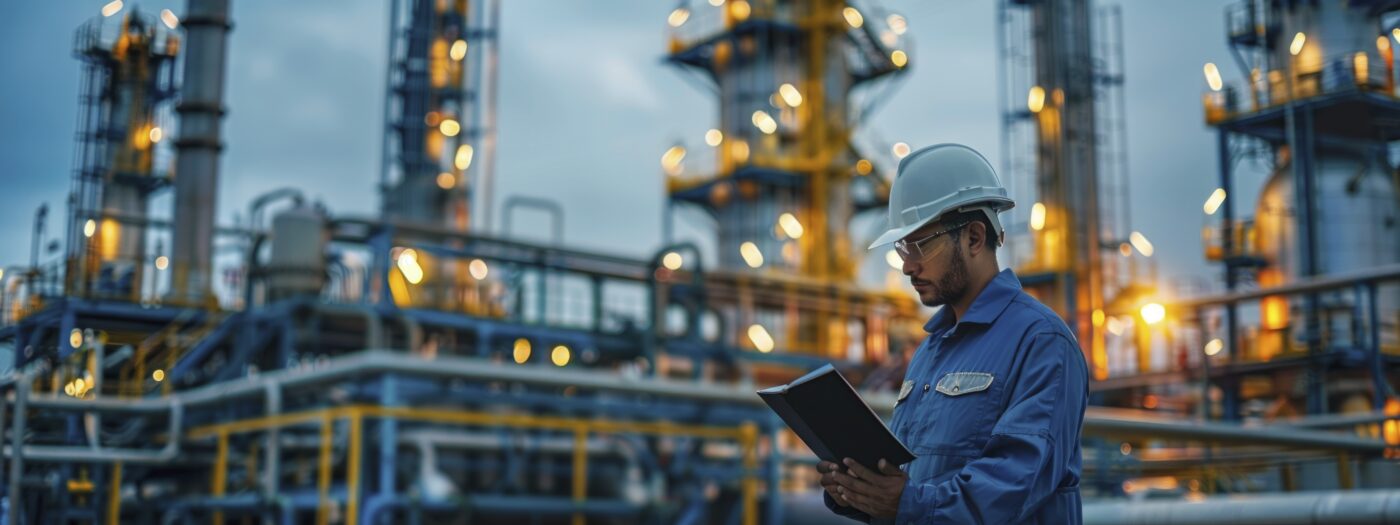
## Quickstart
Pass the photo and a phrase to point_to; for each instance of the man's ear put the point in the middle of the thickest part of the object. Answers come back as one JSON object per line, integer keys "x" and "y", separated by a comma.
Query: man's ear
{"x": 976, "y": 238}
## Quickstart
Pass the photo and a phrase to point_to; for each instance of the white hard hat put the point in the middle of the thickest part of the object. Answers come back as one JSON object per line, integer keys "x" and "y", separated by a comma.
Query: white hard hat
{"x": 939, "y": 179}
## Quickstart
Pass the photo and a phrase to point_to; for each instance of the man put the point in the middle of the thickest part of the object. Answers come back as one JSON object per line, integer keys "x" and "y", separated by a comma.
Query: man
{"x": 994, "y": 398}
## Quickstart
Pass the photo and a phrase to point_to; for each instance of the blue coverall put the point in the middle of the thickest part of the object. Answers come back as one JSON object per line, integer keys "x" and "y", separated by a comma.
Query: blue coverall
{"x": 992, "y": 407}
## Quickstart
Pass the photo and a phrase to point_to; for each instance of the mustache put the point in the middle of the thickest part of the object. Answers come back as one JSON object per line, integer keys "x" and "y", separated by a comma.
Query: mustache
{"x": 917, "y": 282}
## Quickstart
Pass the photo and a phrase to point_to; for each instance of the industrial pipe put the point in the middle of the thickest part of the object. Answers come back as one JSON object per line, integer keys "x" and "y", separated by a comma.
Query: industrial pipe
{"x": 1353, "y": 507}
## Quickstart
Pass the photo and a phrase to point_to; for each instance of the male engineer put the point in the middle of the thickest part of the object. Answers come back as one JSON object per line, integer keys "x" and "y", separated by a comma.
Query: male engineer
{"x": 993, "y": 401}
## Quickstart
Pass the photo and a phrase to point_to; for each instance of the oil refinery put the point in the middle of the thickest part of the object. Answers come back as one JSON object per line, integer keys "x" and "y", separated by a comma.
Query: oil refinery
{"x": 425, "y": 363}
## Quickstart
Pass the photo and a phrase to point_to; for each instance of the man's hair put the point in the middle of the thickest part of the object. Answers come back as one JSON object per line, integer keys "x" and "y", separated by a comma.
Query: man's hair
{"x": 959, "y": 217}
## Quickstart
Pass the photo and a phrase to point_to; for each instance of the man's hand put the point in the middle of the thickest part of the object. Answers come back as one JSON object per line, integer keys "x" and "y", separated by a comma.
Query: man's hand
{"x": 874, "y": 493}
{"x": 828, "y": 471}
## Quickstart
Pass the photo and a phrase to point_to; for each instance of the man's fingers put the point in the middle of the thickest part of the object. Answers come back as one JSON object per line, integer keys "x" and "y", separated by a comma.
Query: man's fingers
{"x": 850, "y": 484}
{"x": 889, "y": 469}
{"x": 858, "y": 470}
{"x": 861, "y": 503}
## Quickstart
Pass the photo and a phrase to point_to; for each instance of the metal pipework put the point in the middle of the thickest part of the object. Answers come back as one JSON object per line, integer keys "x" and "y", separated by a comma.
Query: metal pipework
{"x": 1303, "y": 508}
{"x": 201, "y": 110}
{"x": 1097, "y": 421}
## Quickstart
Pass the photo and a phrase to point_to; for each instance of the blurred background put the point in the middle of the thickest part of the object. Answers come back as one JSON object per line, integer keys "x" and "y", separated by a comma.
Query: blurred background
{"x": 453, "y": 260}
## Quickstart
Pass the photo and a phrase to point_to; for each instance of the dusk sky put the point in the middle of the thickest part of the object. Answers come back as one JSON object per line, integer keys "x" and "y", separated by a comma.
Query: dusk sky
{"x": 587, "y": 106}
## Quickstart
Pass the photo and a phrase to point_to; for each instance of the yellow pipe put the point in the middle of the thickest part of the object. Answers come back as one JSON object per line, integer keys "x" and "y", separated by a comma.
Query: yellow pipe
{"x": 323, "y": 475}
{"x": 580, "y": 470}
{"x": 220, "y": 476}
{"x": 114, "y": 495}
{"x": 352, "y": 468}
{"x": 746, "y": 435}
{"x": 748, "y": 442}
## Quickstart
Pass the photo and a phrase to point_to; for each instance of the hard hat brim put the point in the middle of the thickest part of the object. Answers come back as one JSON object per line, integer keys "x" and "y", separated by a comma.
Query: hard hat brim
{"x": 894, "y": 234}
{"x": 995, "y": 205}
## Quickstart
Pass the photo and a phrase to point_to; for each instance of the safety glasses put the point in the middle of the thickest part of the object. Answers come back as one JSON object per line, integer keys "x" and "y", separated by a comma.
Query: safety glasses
{"x": 919, "y": 249}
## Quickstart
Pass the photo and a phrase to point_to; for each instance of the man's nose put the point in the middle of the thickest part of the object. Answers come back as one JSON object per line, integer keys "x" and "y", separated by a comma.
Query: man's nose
{"x": 910, "y": 267}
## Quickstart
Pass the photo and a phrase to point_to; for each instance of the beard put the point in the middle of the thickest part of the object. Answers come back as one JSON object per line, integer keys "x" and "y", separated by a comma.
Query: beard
{"x": 952, "y": 286}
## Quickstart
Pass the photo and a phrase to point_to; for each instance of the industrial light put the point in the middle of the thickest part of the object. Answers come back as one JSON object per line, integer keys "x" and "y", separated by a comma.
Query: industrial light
{"x": 459, "y": 50}
{"x": 671, "y": 159}
{"x": 463, "y": 159}
{"x": 478, "y": 269}
{"x": 168, "y": 17}
{"x": 1297, "y": 45}
{"x": 1213, "y": 202}
{"x": 1114, "y": 326}
{"x": 1213, "y": 76}
{"x": 1037, "y": 216}
{"x": 162, "y": 262}
{"x": 1140, "y": 242}
{"x": 739, "y": 149}
{"x": 853, "y": 17}
{"x": 899, "y": 58}
{"x": 408, "y": 265}
{"x": 1382, "y": 43}
{"x": 155, "y": 134}
{"x": 764, "y": 122}
{"x": 739, "y": 9}
{"x": 2, "y": 273}
{"x": 521, "y": 352}
{"x": 714, "y": 137}
{"x": 1361, "y": 64}
{"x": 751, "y": 254}
{"x": 1214, "y": 346}
{"x": 1035, "y": 100}
{"x": 68, "y": 389}
{"x": 446, "y": 181}
{"x": 89, "y": 228}
{"x": 894, "y": 260}
{"x": 75, "y": 338}
{"x": 790, "y": 94}
{"x": 672, "y": 261}
{"x": 900, "y": 150}
{"x": 1098, "y": 317}
{"x": 158, "y": 375}
{"x": 1153, "y": 313}
{"x": 112, "y": 8}
{"x": 791, "y": 226}
{"x": 560, "y": 355}
{"x": 897, "y": 24}
{"x": 864, "y": 167}
{"x": 450, "y": 127}
{"x": 678, "y": 17}
{"x": 1395, "y": 33}
{"x": 760, "y": 338}
{"x": 79, "y": 385}
{"x": 716, "y": 3}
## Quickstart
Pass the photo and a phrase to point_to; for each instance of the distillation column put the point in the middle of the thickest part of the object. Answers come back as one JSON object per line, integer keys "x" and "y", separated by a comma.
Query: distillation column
{"x": 787, "y": 179}
{"x": 126, "y": 93}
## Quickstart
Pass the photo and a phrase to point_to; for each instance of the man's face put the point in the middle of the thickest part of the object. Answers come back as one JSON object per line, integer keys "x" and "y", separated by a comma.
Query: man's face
{"x": 939, "y": 274}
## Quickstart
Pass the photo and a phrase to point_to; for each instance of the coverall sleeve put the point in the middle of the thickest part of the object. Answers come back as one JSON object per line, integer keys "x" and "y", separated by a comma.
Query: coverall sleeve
{"x": 1028, "y": 455}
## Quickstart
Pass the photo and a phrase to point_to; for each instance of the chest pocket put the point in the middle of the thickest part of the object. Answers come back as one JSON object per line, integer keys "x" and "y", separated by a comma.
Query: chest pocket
{"x": 965, "y": 407}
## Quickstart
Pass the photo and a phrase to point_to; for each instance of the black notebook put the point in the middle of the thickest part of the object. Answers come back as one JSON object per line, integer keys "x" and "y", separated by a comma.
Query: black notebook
{"x": 823, "y": 409}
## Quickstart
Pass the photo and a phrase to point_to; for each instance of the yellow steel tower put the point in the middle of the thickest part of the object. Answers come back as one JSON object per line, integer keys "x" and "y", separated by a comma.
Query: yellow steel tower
{"x": 787, "y": 179}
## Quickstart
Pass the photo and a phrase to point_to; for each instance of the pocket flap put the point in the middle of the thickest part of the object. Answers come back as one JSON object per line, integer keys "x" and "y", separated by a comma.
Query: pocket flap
{"x": 959, "y": 383}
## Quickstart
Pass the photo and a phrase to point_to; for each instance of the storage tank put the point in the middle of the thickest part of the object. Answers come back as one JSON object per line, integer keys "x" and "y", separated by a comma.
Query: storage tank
{"x": 297, "y": 264}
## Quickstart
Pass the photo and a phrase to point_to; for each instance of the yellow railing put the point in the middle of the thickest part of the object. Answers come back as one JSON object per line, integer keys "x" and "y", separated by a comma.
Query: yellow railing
{"x": 746, "y": 435}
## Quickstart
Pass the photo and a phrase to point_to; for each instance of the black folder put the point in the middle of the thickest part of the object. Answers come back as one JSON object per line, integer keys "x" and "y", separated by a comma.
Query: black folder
{"x": 823, "y": 409}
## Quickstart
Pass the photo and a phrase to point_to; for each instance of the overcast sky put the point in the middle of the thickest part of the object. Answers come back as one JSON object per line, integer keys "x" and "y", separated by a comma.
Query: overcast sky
{"x": 586, "y": 108}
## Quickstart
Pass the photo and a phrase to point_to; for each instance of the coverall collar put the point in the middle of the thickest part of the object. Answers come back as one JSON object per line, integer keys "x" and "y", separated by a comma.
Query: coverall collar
{"x": 988, "y": 305}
